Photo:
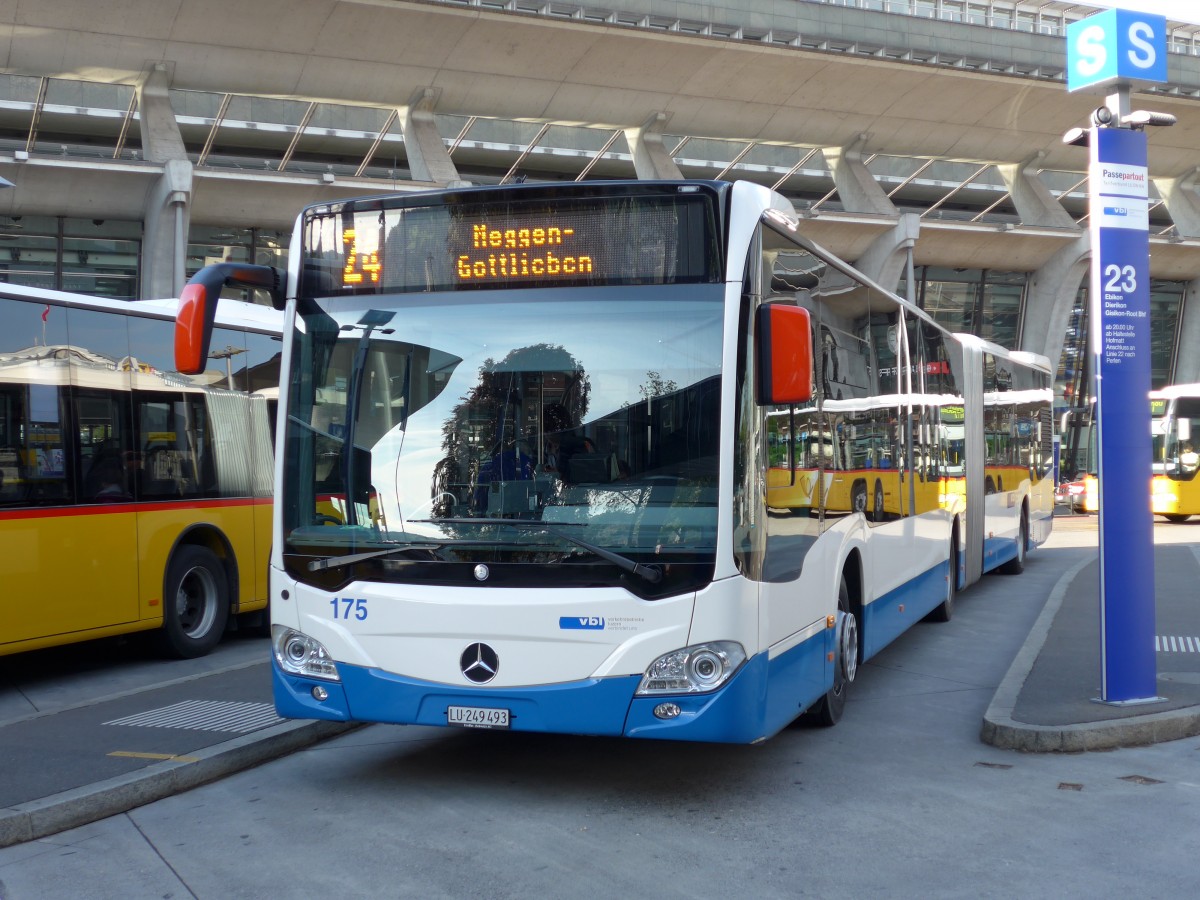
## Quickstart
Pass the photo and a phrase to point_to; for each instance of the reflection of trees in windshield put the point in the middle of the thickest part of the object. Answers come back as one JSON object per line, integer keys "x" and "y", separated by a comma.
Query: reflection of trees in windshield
{"x": 656, "y": 386}
{"x": 498, "y": 432}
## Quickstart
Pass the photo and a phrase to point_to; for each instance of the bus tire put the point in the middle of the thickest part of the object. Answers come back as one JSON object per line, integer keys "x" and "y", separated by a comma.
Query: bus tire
{"x": 877, "y": 510}
{"x": 1175, "y": 517}
{"x": 828, "y": 710}
{"x": 944, "y": 611}
{"x": 1016, "y": 565}
{"x": 858, "y": 497}
{"x": 195, "y": 603}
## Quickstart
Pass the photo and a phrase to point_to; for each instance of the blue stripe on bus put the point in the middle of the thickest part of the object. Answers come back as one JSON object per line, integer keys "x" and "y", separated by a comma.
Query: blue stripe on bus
{"x": 598, "y": 706}
{"x": 894, "y": 613}
{"x": 592, "y": 706}
{"x": 997, "y": 551}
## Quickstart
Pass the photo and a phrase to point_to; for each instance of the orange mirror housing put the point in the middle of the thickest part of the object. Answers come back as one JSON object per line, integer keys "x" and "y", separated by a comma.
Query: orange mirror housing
{"x": 785, "y": 355}
{"x": 198, "y": 307}
{"x": 193, "y": 328}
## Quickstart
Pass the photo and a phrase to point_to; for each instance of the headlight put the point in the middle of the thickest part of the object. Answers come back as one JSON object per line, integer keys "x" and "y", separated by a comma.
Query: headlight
{"x": 301, "y": 655}
{"x": 693, "y": 670}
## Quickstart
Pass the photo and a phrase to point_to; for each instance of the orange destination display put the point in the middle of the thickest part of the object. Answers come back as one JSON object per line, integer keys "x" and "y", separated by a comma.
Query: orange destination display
{"x": 421, "y": 243}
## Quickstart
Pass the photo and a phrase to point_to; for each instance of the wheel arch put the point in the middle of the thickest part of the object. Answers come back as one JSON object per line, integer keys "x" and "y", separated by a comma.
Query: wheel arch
{"x": 852, "y": 571}
{"x": 212, "y": 538}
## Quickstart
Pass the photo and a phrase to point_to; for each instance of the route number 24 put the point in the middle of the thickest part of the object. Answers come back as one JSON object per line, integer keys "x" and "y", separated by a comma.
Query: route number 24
{"x": 1120, "y": 278}
{"x": 344, "y": 606}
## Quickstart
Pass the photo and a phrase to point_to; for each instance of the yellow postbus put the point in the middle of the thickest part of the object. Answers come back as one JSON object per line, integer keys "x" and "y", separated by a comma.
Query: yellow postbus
{"x": 1175, "y": 491}
{"x": 131, "y": 497}
{"x": 1174, "y": 418}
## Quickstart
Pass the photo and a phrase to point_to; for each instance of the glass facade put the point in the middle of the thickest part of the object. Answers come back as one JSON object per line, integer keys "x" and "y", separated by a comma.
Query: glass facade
{"x": 86, "y": 256}
{"x": 101, "y": 257}
{"x": 1166, "y": 306}
{"x": 976, "y": 301}
{"x": 208, "y": 244}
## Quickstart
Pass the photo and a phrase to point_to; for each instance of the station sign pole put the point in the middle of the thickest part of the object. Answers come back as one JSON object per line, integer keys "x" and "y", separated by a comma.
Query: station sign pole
{"x": 1113, "y": 50}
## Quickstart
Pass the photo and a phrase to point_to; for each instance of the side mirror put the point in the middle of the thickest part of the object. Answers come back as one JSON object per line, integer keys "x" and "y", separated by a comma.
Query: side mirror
{"x": 198, "y": 307}
{"x": 785, "y": 355}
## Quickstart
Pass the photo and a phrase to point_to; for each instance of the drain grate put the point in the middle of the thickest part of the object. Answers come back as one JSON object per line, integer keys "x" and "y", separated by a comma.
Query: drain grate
{"x": 1170, "y": 643}
{"x": 206, "y": 715}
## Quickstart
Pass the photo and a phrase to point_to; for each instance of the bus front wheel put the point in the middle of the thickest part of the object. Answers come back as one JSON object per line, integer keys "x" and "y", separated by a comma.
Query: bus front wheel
{"x": 195, "y": 603}
{"x": 829, "y": 709}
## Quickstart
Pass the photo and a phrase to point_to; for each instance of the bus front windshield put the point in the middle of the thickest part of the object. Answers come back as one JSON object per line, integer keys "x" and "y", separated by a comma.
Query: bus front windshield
{"x": 1181, "y": 460}
{"x": 516, "y": 438}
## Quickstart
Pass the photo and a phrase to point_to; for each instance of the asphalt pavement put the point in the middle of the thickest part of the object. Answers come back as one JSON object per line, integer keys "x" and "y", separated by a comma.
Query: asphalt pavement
{"x": 74, "y": 764}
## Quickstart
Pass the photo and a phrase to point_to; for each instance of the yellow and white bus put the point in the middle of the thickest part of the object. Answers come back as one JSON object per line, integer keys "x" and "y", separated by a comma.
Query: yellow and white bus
{"x": 1175, "y": 491}
{"x": 131, "y": 497}
{"x": 1174, "y": 420}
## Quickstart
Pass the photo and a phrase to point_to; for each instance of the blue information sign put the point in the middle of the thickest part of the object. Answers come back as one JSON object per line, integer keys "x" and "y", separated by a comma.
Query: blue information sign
{"x": 1120, "y": 316}
{"x": 1118, "y": 45}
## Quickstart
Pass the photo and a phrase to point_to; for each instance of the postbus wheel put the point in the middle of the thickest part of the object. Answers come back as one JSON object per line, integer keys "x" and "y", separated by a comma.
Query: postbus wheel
{"x": 858, "y": 497}
{"x": 195, "y": 603}
{"x": 1175, "y": 517}
{"x": 828, "y": 710}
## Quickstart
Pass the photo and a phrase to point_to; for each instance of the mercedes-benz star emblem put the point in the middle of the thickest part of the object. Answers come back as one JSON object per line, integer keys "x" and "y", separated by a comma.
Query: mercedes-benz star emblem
{"x": 479, "y": 663}
{"x": 481, "y": 572}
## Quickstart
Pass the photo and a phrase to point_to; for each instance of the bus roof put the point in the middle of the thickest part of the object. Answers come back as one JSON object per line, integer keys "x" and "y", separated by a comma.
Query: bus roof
{"x": 236, "y": 313}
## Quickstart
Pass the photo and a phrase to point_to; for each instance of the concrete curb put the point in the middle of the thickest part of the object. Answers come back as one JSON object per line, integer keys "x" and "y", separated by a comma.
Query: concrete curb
{"x": 1001, "y": 730}
{"x": 84, "y": 805}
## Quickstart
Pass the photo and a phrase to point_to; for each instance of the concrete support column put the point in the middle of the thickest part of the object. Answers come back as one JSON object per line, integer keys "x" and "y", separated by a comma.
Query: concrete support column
{"x": 1187, "y": 358}
{"x": 165, "y": 232}
{"x": 1033, "y": 200}
{"x": 161, "y": 140}
{"x": 166, "y": 213}
{"x": 884, "y": 261}
{"x": 1051, "y": 296}
{"x": 651, "y": 159}
{"x": 856, "y": 186}
{"x": 428, "y": 158}
{"x": 1182, "y": 201}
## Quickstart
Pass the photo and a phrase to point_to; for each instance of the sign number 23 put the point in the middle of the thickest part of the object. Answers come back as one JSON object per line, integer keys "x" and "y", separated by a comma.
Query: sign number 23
{"x": 1120, "y": 278}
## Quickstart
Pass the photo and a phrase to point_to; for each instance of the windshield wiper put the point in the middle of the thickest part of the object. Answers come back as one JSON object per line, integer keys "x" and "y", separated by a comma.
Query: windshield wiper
{"x": 337, "y": 562}
{"x": 652, "y": 574}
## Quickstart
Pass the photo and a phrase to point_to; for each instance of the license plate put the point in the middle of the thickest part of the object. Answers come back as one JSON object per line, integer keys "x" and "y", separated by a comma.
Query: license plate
{"x": 476, "y": 717}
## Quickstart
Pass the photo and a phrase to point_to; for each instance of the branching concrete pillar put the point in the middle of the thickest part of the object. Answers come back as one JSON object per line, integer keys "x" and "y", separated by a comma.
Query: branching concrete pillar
{"x": 651, "y": 160}
{"x": 884, "y": 261}
{"x": 1033, "y": 200}
{"x": 166, "y": 212}
{"x": 856, "y": 186}
{"x": 1182, "y": 201}
{"x": 1051, "y": 296}
{"x": 428, "y": 158}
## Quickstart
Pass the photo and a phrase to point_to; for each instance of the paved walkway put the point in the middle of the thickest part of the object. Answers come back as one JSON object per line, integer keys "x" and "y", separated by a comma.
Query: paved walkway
{"x": 1049, "y": 700}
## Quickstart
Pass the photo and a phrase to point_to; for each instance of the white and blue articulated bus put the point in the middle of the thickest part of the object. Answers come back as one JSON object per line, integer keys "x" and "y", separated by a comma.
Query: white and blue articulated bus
{"x": 617, "y": 458}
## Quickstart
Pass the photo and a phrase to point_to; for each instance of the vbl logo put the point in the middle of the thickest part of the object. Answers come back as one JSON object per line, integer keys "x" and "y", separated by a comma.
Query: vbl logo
{"x": 586, "y": 623}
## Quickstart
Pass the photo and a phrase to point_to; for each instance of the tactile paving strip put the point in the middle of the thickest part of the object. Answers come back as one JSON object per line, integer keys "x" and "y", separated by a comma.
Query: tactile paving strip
{"x": 206, "y": 715}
